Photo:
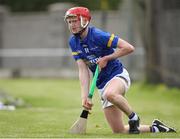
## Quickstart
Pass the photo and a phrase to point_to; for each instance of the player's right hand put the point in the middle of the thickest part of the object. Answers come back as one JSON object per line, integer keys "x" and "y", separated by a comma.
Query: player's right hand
{"x": 87, "y": 104}
{"x": 102, "y": 62}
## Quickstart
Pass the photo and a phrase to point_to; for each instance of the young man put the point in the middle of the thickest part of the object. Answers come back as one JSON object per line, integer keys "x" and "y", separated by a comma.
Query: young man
{"x": 91, "y": 46}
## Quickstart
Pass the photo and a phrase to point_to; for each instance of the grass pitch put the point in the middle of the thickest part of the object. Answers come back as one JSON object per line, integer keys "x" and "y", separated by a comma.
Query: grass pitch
{"x": 55, "y": 104}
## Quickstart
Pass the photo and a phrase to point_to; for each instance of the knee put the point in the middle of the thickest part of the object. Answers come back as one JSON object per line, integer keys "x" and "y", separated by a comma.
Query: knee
{"x": 109, "y": 95}
{"x": 120, "y": 130}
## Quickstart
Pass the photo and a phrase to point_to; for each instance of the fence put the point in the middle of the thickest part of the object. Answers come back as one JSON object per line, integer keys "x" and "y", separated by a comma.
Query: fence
{"x": 35, "y": 44}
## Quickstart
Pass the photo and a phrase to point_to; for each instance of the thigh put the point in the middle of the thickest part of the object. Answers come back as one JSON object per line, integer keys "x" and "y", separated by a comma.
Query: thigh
{"x": 114, "y": 117}
{"x": 116, "y": 86}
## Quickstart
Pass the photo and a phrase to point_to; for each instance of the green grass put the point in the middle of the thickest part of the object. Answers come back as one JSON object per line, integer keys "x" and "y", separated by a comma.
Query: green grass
{"x": 55, "y": 105}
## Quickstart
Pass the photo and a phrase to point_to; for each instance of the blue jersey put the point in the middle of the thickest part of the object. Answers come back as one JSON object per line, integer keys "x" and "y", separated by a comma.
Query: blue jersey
{"x": 97, "y": 44}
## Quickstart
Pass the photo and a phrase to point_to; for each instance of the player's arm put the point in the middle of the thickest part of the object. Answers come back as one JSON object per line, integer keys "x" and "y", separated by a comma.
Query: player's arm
{"x": 84, "y": 78}
{"x": 123, "y": 48}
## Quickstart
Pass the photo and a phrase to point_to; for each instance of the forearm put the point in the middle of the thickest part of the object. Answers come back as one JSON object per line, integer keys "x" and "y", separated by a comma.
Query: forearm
{"x": 117, "y": 53}
{"x": 123, "y": 48}
{"x": 84, "y": 78}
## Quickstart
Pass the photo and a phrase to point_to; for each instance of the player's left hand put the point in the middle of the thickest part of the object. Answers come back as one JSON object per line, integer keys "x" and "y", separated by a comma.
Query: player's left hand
{"x": 102, "y": 62}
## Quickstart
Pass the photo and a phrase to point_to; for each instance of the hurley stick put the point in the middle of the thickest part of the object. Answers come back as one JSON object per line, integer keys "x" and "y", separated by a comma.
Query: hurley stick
{"x": 79, "y": 127}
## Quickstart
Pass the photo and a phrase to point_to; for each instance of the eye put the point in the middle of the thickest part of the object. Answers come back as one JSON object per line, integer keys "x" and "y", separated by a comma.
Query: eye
{"x": 74, "y": 21}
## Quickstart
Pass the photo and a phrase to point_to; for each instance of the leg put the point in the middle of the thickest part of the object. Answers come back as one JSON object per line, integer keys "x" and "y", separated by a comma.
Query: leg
{"x": 114, "y": 118}
{"x": 114, "y": 93}
{"x": 142, "y": 128}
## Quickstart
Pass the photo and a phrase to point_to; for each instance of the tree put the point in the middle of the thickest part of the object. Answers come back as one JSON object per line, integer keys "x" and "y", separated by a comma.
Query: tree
{"x": 153, "y": 70}
{"x": 160, "y": 36}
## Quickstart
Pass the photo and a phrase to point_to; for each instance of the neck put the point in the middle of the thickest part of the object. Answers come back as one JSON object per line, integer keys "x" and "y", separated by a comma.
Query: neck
{"x": 84, "y": 33}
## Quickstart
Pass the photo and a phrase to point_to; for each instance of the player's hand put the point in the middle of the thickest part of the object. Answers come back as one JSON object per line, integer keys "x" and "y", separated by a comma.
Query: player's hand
{"x": 102, "y": 62}
{"x": 87, "y": 103}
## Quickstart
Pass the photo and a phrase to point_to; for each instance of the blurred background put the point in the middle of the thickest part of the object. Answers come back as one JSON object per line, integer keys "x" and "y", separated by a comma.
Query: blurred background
{"x": 34, "y": 37}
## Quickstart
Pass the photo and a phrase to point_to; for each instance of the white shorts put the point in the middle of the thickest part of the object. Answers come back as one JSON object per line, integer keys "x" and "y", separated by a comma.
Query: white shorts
{"x": 125, "y": 79}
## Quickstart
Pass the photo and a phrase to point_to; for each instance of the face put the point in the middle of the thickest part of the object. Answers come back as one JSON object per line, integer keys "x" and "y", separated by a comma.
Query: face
{"x": 74, "y": 24}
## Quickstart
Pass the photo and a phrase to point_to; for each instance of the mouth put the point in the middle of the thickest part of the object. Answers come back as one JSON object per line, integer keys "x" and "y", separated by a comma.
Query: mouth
{"x": 74, "y": 30}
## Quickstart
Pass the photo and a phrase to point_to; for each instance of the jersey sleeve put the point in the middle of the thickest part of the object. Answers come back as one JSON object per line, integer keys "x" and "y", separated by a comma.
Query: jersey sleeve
{"x": 105, "y": 39}
{"x": 74, "y": 51}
